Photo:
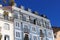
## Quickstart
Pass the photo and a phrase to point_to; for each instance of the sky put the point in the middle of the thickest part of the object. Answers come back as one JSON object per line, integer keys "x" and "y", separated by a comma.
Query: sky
{"x": 51, "y": 8}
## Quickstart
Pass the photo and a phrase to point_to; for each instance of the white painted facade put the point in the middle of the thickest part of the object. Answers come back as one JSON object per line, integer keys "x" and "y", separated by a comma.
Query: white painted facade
{"x": 19, "y": 24}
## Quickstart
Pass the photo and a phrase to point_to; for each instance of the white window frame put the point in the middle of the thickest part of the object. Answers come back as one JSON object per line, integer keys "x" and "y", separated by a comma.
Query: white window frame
{"x": 16, "y": 24}
{"x": 20, "y": 34}
{"x": 33, "y": 30}
{"x": 35, "y": 36}
{"x": 6, "y": 26}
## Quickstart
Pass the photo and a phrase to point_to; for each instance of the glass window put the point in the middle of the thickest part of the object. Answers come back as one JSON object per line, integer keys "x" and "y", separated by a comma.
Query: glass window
{"x": 6, "y": 26}
{"x": 6, "y": 37}
{"x": 33, "y": 29}
{"x": 21, "y": 14}
{"x": 16, "y": 14}
{"x": 41, "y": 33}
{"x": 49, "y": 33}
{"x": 24, "y": 17}
{"x": 47, "y": 24}
{"x": 17, "y": 34}
{"x": 43, "y": 23}
{"x": 45, "y": 32}
{"x": 17, "y": 24}
{"x": 27, "y": 18}
{"x": 34, "y": 37}
{"x": 26, "y": 30}
{"x": 39, "y": 22}
{"x": 32, "y": 20}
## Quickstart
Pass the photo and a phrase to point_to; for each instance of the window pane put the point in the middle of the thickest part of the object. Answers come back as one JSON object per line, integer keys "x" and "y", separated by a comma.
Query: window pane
{"x": 26, "y": 29}
{"x": 34, "y": 29}
{"x": 6, "y": 26}
{"x": 16, "y": 14}
{"x": 34, "y": 37}
{"x": 17, "y": 24}
{"x": 41, "y": 33}
{"x": 39, "y": 22}
{"x": 17, "y": 34}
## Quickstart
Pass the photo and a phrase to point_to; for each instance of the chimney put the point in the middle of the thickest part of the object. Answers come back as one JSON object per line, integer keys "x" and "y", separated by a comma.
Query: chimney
{"x": 35, "y": 12}
{"x": 22, "y": 7}
{"x": 44, "y": 16}
{"x": 28, "y": 9}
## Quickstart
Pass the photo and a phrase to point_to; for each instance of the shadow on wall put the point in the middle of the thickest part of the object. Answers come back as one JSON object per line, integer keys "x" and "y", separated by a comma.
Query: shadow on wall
{"x": 56, "y": 31}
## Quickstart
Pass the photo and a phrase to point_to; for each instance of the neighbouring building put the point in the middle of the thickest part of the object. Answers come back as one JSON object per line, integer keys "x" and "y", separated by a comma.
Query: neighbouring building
{"x": 56, "y": 31}
{"x": 19, "y": 24}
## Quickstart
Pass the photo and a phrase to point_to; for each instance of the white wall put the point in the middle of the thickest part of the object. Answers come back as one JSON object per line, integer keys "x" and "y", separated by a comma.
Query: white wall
{"x": 6, "y": 32}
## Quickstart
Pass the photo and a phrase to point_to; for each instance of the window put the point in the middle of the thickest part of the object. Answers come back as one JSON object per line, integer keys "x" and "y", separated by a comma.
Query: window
{"x": 43, "y": 23}
{"x": 41, "y": 33}
{"x": 26, "y": 30}
{"x": 27, "y": 18}
{"x": 24, "y": 17}
{"x": 45, "y": 32}
{"x": 47, "y": 24}
{"x": 49, "y": 33}
{"x": 32, "y": 20}
{"x": 6, "y": 26}
{"x": 33, "y": 29}
{"x": 6, "y": 37}
{"x": 39, "y": 22}
{"x": 17, "y": 24}
{"x": 17, "y": 34}
{"x": 34, "y": 37}
{"x": 16, "y": 14}
{"x": 21, "y": 14}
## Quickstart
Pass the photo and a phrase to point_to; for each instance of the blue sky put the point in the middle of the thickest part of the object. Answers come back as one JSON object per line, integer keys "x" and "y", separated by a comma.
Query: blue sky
{"x": 51, "y": 8}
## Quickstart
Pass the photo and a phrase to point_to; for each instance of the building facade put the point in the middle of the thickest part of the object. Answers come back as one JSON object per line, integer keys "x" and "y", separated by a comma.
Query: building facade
{"x": 19, "y": 24}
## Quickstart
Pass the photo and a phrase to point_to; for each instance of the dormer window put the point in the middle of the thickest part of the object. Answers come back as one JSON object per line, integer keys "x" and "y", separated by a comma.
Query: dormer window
{"x": 39, "y": 22}
{"x": 5, "y": 15}
{"x": 15, "y": 14}
{"x": 32, "y": 20}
